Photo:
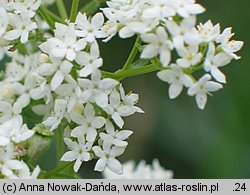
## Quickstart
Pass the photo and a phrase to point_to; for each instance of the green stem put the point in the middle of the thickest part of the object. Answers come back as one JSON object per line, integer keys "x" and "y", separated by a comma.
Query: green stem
{"x": 61, "y": 8}
{"x": 156, "y": 62}
{"x": 45, "y": 15}
{"x": 60, "y": 146}
{"x": 57, "y": 170}
{"x": 92, "y": 6}
{"x": 132, "y": 72}
{"x": 132, "y": 54}
{"x": 74, "y": 10}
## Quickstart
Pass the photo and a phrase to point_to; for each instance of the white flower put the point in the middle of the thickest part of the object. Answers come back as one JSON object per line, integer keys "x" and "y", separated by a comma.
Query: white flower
{"x": 126, "y": 16}
{"x": 15, "y": 71}
{"x": 22, "y": 26}
{"x": 14, "y": 130}
{"x": 38, "y": 87}
{"x": 110, "y": 28}
{"x": 137, "y": 27}
{"x": 90, "y": 30}
{"x": 59, "y": 112}
{"x": 97, "y": 89}
{"x": 90, "y": 61}
{"x": 130, "y": 99}
{"x": 203, "y": 87}
{"x": 27, "y": 6}
{"x": 107, "y": 159}
{"x": 185, "y": 8}
{"x": 64, "y": 44}
{"x": 159, "y": 44}
{"x": 24, "y": 172}
{"x": 208, "y": 32}
{"x": 114, "y": 137}
{"x": 89, "y": 123}
{"x": 8, "y": 165}
{"x": 214, "y": 61}
{"x": 229, "y": 46}
{"x": 176, "y": 78}
{"x": 7, "y": 111}
{"x": 70, "y": 91}
{"x": 10, "y": 89}
{"x": 159, "y": 9}
{"x": 141, "y": 171}
{"x": 79, "y": 152}
{"x": 183, "y": 32}
{"x": 118, "y": 109}
{"x": 57, "y": 69}
{"x": 190, "y": 56}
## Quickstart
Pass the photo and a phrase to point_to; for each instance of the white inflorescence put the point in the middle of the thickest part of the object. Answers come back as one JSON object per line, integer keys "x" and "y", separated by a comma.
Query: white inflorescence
{"x": 167, "y": 26}
{"x": 63, "y": 81}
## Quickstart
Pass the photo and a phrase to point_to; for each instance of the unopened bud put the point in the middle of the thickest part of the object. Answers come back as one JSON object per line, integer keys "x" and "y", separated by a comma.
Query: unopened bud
{"x": 43, "y": 58}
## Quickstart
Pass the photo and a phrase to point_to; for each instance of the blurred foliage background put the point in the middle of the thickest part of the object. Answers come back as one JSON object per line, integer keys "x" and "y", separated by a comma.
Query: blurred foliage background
{"x": 214, "y": 143}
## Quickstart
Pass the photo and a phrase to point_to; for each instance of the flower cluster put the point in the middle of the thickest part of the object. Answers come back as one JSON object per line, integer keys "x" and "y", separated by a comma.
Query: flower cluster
{"x": 90, "y": 104}
{"x": 14, "y": 133}
{"x": 141, "y": 171}
{"x": 17, "y": 20}
{"x": 169, "y": 26}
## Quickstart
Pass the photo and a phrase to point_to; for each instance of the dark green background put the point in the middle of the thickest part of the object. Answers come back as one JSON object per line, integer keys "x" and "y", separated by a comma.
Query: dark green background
{"x": 214, "y": 143}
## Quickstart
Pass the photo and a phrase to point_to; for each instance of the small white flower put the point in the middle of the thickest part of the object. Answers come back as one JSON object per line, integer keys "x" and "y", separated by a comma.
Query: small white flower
{"x": 79, "y": 152}
{"x": 90, "y": 61}
{"x": 114, "y": 137}
{"x": 15, "y": 71}
{"x": 185, "y": 8}
{"x": 89, "y": 123}
{"x": 24, "y": 172}
{"x": 110, "y": 28}
{"x": 201, "y": 88}
{"x": 38, "y": 87}
{"x": 159, "y": 44}
{"x": 7, "y": 111}
{"x": 159, "y": 9}
{"x": 176, "y": 78}
{"x": 214, "y": 61}
{"x": 229, "y": 46}
{"x": 64, "y": 44}
{"x": 97, "y": 89}
{"x": 190, "y": 56}
{"x": 14, "y": 130}
{"x": 59, "y": 112}
{"x": 57, "y": 69}
{"x": 208, "y": 32}
{"x": 8, "y": 165}
{"x": 118, "y": 109}
{"x": 130, "y": 99}
{"x": 183, "y": 32}
{"x": 22, "y": 26}
{"x": 70, "y": 91}
{"x": 27, "y": 6}
{"x": 90, "y": 30}
{"x": 108, "y": 159}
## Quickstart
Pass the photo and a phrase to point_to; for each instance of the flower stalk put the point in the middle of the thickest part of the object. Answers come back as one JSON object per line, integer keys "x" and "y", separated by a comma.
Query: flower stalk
{"x": 74, "y": 10}
{"x": 132, "y": 54}
{"x": 62, "y": 9}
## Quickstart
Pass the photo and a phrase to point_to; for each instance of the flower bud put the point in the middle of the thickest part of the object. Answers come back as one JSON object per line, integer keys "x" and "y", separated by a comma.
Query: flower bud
{"x": 43, "y": 58}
